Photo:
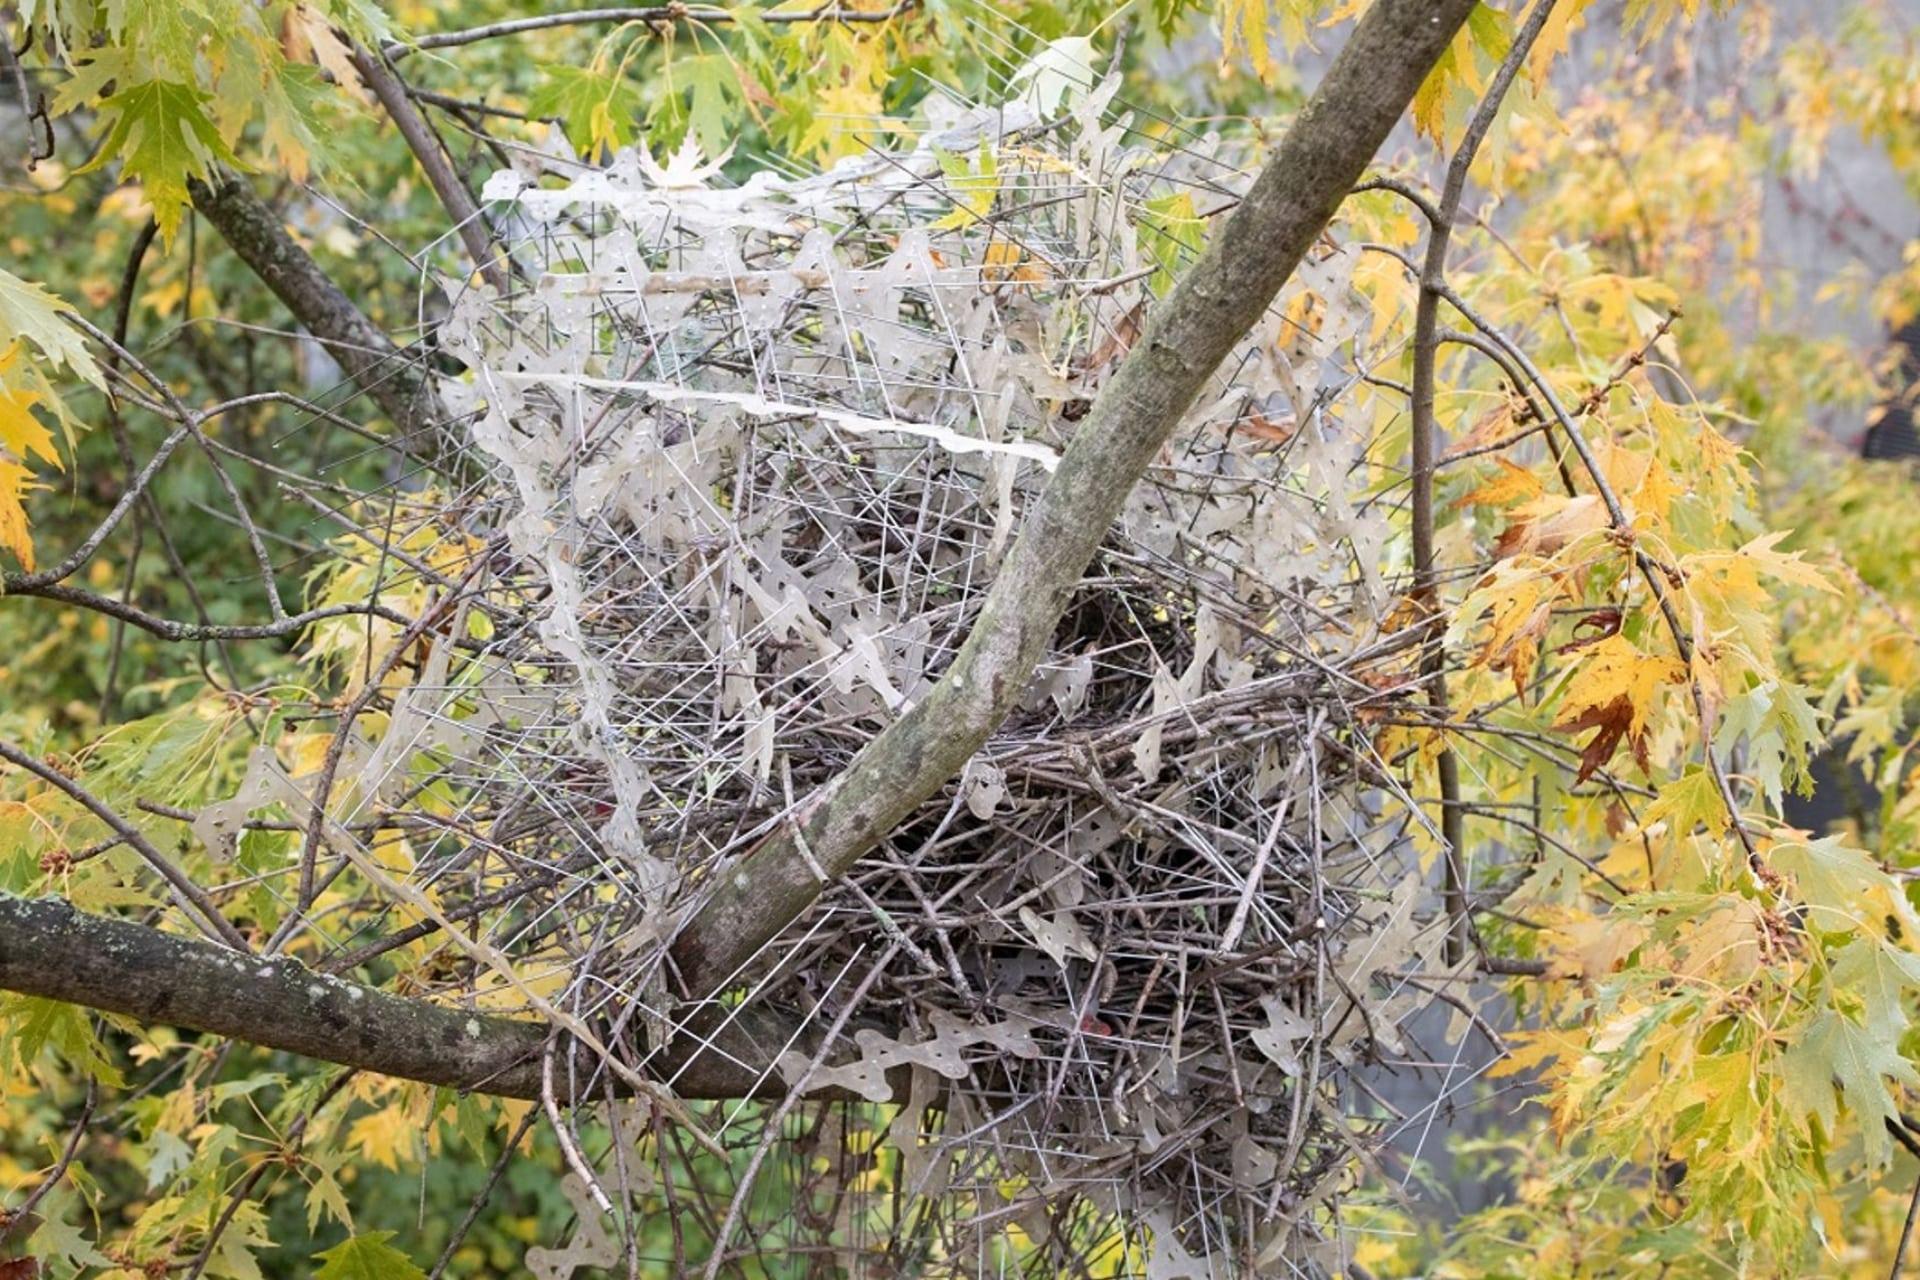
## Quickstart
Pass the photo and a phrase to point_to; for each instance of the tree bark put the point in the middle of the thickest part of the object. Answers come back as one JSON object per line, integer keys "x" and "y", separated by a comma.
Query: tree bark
{"x": 396, "y": 380}
{"x": 1186, "y": 337}
{"x": 51, "y": 950}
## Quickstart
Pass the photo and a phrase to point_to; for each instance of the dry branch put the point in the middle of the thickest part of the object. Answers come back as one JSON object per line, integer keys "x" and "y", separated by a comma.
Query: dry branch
{"x": 51, "y": 950}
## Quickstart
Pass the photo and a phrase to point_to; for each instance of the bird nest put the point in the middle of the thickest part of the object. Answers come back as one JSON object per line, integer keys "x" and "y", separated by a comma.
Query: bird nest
{"x": 745, "y": 459}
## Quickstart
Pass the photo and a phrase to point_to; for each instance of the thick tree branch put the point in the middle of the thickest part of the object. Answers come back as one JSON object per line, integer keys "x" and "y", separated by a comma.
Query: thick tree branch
{"x": 397, "y": 381}
{"x": 1186, "y": 337}
{"x": 49, "y": 949}
{"x": 434, "y": 162}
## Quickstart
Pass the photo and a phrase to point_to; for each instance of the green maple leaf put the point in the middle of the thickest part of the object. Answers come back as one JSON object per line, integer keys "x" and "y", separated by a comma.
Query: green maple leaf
{"x": 367, "y": 1257}
{"x": 595, "y": 106}
{"x": 1171, "y": 232}
{"x": 1689, "y": 801}
{"x": 1832, "y": 1052}
{"x": 162, "y": 136}
{"x": 1881, "y": 976}
{"x": 1840, "y": 886}
{"x": 30, "y": 312}
{"x": 715, "y": 86}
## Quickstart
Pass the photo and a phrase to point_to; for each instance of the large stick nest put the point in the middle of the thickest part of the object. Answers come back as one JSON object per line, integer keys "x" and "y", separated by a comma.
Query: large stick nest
{"x": 749, "y": 458}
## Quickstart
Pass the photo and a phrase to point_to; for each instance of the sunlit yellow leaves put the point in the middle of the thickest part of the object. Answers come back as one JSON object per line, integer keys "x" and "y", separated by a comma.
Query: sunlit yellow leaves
{"x": 1511, "y": 483}
{"x": 1243, "y": 26}
{"x": 1460, "y": 76}
{"x": 1566, "y": 18}
{"x": 1592, "y": 947}
{"x": 15, "y": 483}
{"x": 20, "y": 432}
{"x": 31, "y": 325}
{"x": 1509, "y": 613}
{"x": 1617, "y": 307}
{"x": 389, "y": 1137}
{"x": 1738, "y": 572}
{"x": 973, "y": 184}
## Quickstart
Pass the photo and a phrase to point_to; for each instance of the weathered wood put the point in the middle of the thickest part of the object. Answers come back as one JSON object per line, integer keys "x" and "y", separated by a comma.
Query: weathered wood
{"x": 51, "y": 950}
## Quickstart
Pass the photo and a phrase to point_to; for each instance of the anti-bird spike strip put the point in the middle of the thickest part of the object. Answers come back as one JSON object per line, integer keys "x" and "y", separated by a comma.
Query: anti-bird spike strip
{"x": 751, "y": 455}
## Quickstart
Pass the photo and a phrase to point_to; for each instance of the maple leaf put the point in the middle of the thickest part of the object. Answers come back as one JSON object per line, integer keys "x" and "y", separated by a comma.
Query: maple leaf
{"x": 1514, "y": 483}
{"x": 15, "y": 481}
{"x": 1613, "y": 692}
{"x": 1882, "y": 976}
{"x": 309, "y": 35}
{"x": 20, "y": 431}
{"x": 29, "y": 311}
{"x": 1548, "y": 523}
{"x": 1689, "y": 801}
{"x": 686, "y": 167}
{"x": 1515, "y": 599}
{"x": 973, "y": 186}
{"x": 1846, "y": 887}
{"x": 1836, "y": 1055}
{"x": 367, "y": 1257}
{"x": 596, "y": 107}
{"x": 1244, "y": 23}
{"x": 388, "y": 1137}
{"x": 1552, "y": 40}
{"x": 160, "y": 132}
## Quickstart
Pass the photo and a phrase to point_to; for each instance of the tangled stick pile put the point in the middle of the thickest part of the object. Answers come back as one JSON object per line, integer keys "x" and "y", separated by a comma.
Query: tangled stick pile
{"x": 748, "y": 457}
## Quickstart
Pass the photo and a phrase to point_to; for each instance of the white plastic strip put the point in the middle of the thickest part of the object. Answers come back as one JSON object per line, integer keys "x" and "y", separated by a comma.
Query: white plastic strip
{"x": 762, "y": 407}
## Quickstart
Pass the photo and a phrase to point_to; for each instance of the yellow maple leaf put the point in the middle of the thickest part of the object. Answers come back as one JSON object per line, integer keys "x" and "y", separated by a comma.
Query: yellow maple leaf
{"x": 1613, "y": 693}
{"x": 306, "y": 35}
{"x": 1552, "y": 40}
{"x": 1514, "y": 483}
{"x": 20, "y": 431}
{"x": 1244, "y": 22}
{"x": 15, "y": 481}
{"x": 388, "y": 1137}
{"x": 1615, "y": 669}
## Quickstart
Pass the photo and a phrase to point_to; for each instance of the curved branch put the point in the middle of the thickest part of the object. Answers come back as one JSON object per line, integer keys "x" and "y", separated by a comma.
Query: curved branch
{"x": 50, "y": 950}
{"x": 1186, "y": 337}
{"x": 396, "y": 380}
{"x": 1426, "y": 348}
{"x": 194, "y": 632}
{"x": 431, "y": 154}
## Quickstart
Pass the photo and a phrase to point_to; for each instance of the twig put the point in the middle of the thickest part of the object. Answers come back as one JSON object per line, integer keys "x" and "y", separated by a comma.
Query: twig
{"x": 1906, "y": 1233}
{"x": 480, "y": 1199}
{"x": 648, "y": 16}
{"x": 190, "y": 896}
{"x": 1426, "y": 344}
{"x": 432, "y": 157}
